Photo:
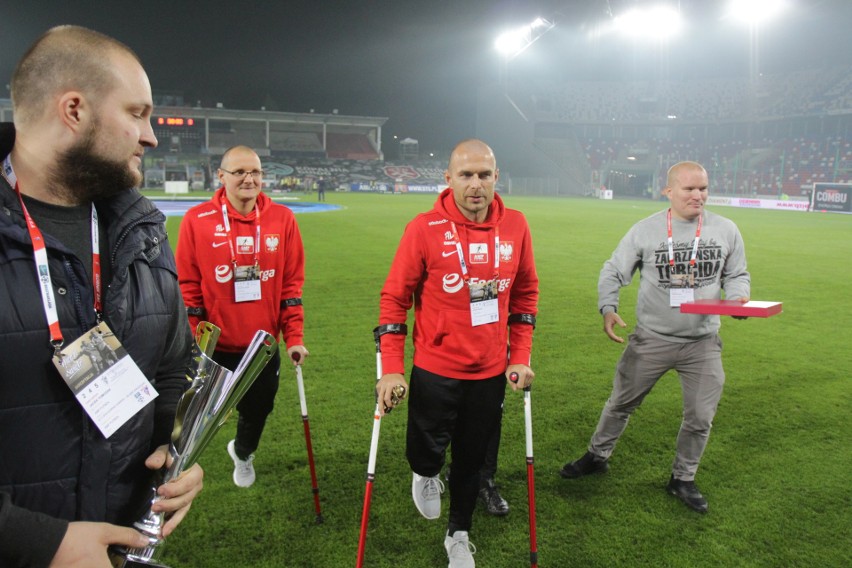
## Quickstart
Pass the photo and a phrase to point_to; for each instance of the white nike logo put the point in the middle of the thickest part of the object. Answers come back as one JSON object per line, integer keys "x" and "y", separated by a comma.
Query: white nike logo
{"x": 447, "y": 253}
{"x": 216, "y": 245}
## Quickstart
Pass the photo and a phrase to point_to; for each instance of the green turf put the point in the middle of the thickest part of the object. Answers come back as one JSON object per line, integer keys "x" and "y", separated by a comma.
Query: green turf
{"x": 776, "y": 471}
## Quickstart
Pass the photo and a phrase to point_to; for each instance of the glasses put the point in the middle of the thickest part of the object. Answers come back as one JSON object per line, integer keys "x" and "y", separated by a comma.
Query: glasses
{"x": 256, "y": 174}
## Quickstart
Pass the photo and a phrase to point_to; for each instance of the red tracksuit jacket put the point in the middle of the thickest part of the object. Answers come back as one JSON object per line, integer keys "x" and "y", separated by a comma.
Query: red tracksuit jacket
{"x": 426, "y": 273}
{"x": 206, "y": 274}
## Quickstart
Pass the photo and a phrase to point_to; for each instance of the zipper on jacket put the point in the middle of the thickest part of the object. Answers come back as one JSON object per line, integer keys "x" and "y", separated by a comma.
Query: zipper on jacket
{"x": 82, "y": 316}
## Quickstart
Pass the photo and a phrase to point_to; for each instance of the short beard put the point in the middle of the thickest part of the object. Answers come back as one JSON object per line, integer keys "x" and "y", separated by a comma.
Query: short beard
{"x": 81, "y": 176}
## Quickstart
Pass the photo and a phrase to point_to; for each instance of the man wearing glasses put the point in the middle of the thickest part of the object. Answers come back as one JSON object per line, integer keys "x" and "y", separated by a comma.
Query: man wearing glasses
{"x": 241, "y": 266}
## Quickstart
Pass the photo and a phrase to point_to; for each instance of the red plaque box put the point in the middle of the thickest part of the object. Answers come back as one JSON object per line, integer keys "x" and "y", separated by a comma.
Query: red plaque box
{"x": 752, "y": 309}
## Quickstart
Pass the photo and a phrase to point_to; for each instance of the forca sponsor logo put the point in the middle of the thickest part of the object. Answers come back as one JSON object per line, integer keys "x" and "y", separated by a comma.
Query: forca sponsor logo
{"x": 453, "y": 282}
{"x": 224, "y": 273}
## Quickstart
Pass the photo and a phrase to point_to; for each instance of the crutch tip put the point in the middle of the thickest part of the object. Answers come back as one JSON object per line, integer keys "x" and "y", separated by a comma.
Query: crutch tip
{"x": 319, "y": 520}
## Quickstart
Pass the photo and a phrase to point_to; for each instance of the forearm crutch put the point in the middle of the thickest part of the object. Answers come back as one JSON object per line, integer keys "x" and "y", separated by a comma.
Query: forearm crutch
{"x": 530, "y": 470}
{"x": 400, "y": 329}
{"x": 315, "y": 487}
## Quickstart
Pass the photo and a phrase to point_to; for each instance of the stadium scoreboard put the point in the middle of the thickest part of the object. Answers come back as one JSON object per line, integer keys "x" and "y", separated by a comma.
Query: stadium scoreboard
{"x": 175, "y": 121}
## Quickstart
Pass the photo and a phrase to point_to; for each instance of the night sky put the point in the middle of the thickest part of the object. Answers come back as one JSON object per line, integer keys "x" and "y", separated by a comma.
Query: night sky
{"x": 420, "y": 64}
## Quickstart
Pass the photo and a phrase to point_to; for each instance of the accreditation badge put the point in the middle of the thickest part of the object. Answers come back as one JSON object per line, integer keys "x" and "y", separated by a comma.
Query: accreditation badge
{"x": 247, "y": 283}
{"x": 681, "y": 289}
{"x": 104, "y": 378}
{"x": 483, "y": 302}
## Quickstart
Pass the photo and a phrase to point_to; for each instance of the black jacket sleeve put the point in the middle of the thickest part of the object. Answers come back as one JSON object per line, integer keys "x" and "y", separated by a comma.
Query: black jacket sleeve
{"x": 27, "y": 539}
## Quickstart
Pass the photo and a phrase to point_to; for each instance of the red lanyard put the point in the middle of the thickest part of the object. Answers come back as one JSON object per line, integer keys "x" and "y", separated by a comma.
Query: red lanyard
{"x": 671, "y": 245}
{"x": 228, "y": 231}
{"x": 43, "y": 271}
{"x": 460, "y": 252}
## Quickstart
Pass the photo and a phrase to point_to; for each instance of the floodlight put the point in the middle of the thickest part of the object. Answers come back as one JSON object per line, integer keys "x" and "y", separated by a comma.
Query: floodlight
{"x": 657, "y": 22}
{"x": 513, "y": 42}
{"x": 510, "y": 42}
{"x": 756, "y": 11}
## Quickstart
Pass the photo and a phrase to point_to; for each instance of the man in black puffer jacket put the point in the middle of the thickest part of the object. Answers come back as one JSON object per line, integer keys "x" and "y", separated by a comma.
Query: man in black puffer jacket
{"x": 82, "y": 108}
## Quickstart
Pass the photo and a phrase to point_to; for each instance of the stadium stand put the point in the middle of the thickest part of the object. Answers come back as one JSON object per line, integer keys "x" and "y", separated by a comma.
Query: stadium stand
{"x": 350, "y": 146}
{"x": 772, "y": 136}
{"x": 308, "y": 144}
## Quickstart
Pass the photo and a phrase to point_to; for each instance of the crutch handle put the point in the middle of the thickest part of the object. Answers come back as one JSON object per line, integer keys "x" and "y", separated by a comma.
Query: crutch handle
{"x": 514, "y": 377}
{"x": 378, "y": 332}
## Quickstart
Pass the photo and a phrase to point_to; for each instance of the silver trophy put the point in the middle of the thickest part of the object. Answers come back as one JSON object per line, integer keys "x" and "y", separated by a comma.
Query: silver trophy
{"x": 202, "y": 410}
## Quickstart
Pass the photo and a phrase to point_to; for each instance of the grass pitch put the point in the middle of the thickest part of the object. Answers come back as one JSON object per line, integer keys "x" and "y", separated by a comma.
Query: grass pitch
{"x": 776, "y": 470}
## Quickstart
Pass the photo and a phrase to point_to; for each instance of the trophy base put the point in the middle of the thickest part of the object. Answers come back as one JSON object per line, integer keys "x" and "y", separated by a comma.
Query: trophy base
{"x": 127, "y": 563}
{"x": 118, "y": 559}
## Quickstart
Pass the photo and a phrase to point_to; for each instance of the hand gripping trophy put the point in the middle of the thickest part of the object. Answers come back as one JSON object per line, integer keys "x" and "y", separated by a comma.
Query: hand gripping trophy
{"x": 202, "y": 410}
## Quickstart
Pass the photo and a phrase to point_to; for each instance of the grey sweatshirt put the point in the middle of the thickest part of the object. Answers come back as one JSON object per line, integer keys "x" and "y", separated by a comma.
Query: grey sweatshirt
{"x": 720, "y": 264}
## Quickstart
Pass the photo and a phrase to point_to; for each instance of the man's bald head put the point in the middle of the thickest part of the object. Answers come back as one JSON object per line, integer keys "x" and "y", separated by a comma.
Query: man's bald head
{"x": 678, "y": 168}
{"x": 240, "y": 150}
{"x": 472, "y": 175}
{"x": 470, "y": 146}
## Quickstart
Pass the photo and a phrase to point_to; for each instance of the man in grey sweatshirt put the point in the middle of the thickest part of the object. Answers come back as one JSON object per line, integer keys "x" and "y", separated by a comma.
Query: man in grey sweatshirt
{"x": 682, "y": 254}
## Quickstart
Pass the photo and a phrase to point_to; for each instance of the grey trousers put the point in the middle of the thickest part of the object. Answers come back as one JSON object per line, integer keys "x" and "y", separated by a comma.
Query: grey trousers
{"x": 644, "y": 361}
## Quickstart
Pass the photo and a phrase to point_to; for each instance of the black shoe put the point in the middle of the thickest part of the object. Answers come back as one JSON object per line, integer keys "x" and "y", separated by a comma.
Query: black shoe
{"x": 586, "y": 465}
{"x": 493, "y": 501}
{"x": 687, "y": 492}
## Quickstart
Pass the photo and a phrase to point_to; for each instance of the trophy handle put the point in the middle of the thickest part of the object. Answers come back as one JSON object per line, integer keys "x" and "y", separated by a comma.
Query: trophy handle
{"x": 206, "y": 336}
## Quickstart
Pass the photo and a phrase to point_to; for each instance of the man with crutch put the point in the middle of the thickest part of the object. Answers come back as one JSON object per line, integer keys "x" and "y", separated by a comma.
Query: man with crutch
{"x": 467, "y": 268}
{"x": 241, "y": 266}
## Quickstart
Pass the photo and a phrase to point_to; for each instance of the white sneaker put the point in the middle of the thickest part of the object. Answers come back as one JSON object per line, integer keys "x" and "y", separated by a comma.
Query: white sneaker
{"x": 460, "y": 551}
{"x": 426, "y": 492}
{"x": 243, "y": 469}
